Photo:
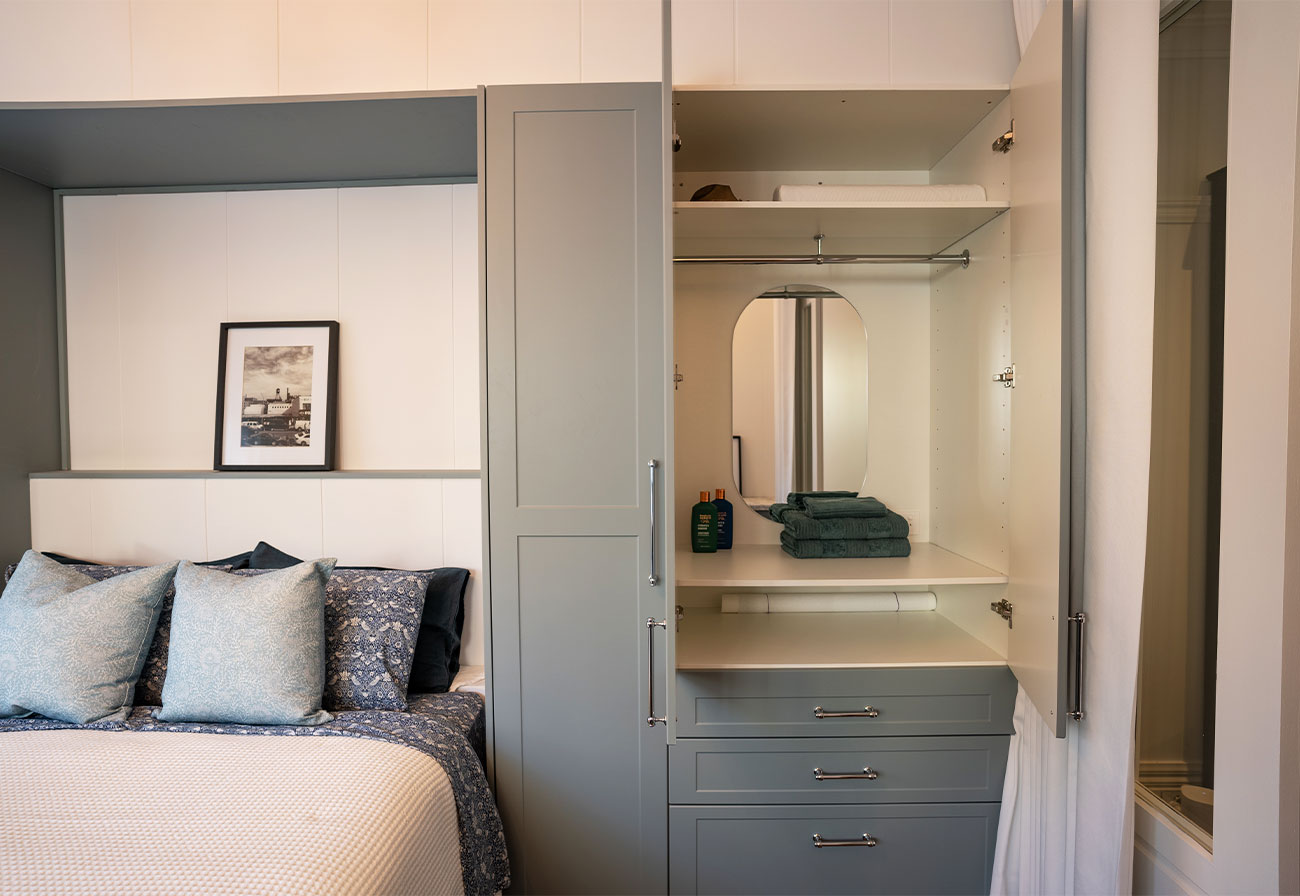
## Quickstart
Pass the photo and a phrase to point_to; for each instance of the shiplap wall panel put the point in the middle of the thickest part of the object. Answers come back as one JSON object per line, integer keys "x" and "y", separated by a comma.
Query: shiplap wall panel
{"x": 504, "y": 42}
{"x": 172, "y": 299}
{"x": 383, "y": 522}
{"x": 61, "y": 517}
{"x": 146, "y": 520}
{"x": 462, "y": 539}
{"x": 283, "y": 255}
{"x": 395, "y": 328}
{"x": 65, "y": 50}
{"x": 465, "y": 325}
{"x": 93, "y": 344}
{"x": 812, "y": 42}
{"x": 283, "y": 512}
{"x": 607, "y": 52}
{"x": 403, "y": 523}
{"x": 204, "y": 48}
{"x": 151, "y": 276}
{"x": 353, "y": 46}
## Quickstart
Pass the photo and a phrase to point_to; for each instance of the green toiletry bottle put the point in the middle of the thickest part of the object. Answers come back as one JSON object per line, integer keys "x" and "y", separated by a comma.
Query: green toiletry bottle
{"x": 724, "y": 521}
{"x": 704, "y": 526}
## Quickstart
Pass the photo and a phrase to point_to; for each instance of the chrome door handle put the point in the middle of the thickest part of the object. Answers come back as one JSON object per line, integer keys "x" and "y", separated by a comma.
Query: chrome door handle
{"x": 650, "y": 717}
{"x": 867, "y": 840}
{"x": 654, "y": 524}
{"x": 867, "y": 772}
{"x": 868, "y": 712}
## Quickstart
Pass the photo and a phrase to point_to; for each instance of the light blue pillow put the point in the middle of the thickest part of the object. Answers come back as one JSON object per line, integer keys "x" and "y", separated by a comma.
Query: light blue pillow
{"x": 247, "y": 650}
{"x": 72, "y": 648}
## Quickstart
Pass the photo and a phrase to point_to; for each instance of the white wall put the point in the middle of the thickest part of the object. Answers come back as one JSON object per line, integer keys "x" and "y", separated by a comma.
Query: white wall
{"x": 149, "y": 278}
{"x": 1260, "y": 310}
{"x": 838, "y": 43}
{"x": 155, "y": 49}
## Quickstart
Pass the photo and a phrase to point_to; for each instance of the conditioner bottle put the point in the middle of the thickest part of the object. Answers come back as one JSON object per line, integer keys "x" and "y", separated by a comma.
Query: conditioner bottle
{"x": 704, "y": 526}
{"x": 724, "y": 521}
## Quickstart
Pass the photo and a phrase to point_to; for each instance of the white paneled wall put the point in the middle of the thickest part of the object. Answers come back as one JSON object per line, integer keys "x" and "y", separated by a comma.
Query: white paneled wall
{"x": 151, "y": 276}
{"x": 55, "y": 50}
{"x": 841, "y": 43}
{"x": 404, "y": 523}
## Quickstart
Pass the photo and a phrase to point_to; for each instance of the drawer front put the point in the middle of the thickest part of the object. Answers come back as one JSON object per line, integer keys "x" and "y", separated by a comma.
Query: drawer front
{"x": 784, "y": 702}
{"x": 783, "y": 770}
{"x": 931, "y": 849}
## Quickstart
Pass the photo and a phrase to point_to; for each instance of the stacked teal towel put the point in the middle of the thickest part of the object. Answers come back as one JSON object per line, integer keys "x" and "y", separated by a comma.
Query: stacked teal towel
{"x": 834, "y": 508}
{"x": 800, "y": 525}
{"x": 810, "y": 548}
{"x": 840, "y": 524}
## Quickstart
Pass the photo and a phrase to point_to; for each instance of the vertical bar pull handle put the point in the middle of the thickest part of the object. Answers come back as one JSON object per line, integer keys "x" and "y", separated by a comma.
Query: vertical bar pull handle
{"x": 650, "y": 717}
{"x": 654, "y": 523}
{"x": 1076, "y": 702}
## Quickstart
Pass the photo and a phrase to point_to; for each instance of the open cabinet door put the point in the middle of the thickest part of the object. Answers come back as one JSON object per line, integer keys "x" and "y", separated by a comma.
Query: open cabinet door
{"x": 1039, "y": 512}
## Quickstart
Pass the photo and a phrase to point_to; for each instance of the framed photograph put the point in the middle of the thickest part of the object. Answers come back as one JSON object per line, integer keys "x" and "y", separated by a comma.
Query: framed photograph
{"x": 277, "y": 395}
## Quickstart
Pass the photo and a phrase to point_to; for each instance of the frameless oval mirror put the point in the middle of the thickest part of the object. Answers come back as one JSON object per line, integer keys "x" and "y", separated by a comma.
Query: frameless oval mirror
{"x": 798, "y": 395}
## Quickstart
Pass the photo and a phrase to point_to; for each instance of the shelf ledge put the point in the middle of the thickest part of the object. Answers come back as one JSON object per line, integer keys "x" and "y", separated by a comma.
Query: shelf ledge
{"x": 767, "y": 566}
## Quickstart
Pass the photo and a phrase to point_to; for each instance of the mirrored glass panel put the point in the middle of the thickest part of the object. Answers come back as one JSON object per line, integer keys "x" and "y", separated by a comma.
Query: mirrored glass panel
{"x": 798, "y": 394}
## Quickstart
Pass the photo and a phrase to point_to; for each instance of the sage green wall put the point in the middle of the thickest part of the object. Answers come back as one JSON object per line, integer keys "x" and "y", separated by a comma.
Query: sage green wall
{"x": 29, "y": 360}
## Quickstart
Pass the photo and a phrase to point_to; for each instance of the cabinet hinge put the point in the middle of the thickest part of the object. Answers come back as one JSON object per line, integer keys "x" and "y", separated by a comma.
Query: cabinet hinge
{"x": 677, "y": 377}
{"x": 1003, "y": 608}
{"x": 1007, "y": 377}
{"x": 1005, "y": 142}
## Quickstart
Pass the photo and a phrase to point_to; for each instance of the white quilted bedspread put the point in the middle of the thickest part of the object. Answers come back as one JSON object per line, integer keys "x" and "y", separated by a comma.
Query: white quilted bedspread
{"x": 90, "y": 812}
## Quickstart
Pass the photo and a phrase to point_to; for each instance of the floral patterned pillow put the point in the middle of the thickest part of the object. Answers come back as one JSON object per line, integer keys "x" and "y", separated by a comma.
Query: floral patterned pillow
{"x": 372, "y": 619}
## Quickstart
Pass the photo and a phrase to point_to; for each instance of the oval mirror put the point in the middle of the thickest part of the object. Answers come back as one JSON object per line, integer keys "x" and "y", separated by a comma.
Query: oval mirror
{"x": 798, "y": 395}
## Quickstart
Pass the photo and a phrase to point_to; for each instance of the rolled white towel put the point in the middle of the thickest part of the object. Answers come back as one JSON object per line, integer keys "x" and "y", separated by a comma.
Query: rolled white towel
{"x": 879, "y": 193}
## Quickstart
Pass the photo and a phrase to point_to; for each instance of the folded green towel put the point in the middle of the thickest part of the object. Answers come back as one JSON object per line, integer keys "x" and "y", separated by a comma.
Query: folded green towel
{"x": 778, "y": 511}
{"x": 810, "y": 548}
{"x": 801, "y": 525}
{"x": 797, "y": 498}
{"x": 834, "y": 508}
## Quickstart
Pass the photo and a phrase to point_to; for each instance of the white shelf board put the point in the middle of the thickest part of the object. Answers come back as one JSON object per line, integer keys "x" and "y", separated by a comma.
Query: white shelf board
{"x": 767, "y": 566}
{"x": 802, "y": 129}
{"x": 904, "y": 228}
{"x": 708, "y": 639}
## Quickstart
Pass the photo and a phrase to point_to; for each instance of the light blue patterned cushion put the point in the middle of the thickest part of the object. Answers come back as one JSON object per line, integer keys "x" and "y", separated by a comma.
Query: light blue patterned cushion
{"x": 72, "y": 648}
{"x": 247, "y": 650}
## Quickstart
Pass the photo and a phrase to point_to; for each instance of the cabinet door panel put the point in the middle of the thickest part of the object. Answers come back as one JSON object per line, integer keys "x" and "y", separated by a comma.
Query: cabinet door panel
{"x": 575, "y": 410}
{"x": 1039, "y": 502}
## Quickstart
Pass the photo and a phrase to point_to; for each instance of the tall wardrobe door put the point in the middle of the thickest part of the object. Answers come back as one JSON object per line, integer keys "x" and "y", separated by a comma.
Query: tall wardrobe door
{"x": 1041, "y": 289}
{"x": 575, "y": 409}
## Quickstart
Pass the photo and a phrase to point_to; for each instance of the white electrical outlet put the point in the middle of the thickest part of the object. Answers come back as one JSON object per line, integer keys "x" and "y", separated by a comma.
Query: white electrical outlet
{"x": 913, "y": 529}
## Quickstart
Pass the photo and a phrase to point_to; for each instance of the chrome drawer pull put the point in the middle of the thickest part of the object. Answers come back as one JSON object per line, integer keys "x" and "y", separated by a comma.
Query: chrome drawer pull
{"x": 868, "y": 712}
{"x": 867, "y": 840}
{"x": 867, "y": 772}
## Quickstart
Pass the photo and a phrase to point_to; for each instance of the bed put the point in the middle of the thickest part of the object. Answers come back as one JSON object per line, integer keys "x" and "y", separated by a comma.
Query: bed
{"x": 372, "y": 800}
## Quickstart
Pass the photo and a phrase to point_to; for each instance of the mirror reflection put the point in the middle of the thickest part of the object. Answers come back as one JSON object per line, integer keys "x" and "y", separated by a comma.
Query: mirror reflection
{"x": 798, "y": 394}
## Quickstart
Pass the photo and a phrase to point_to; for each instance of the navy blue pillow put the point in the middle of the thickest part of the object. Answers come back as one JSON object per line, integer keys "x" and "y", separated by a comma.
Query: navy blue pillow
{"x": 238, "y": 561}
{"x": 437, "y": 649}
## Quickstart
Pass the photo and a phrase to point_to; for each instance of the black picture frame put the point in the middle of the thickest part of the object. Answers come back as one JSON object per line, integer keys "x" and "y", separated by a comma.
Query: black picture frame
{"x": 266, "y": 432}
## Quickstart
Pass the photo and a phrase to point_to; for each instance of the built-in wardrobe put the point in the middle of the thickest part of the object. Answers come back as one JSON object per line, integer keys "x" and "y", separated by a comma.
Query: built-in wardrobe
{"x": 642, "y": 739}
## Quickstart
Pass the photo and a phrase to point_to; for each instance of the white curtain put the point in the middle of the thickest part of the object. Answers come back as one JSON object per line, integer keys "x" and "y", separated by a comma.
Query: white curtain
{"x": 1068, "y": 805}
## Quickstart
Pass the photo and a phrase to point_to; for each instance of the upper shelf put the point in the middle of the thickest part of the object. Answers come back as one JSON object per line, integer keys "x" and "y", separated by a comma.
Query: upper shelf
{"x": 417, "y": 136}
{"x": 767, "y": 566}
{"x": 824, "y": 130}
{"x": 905, "y": 228}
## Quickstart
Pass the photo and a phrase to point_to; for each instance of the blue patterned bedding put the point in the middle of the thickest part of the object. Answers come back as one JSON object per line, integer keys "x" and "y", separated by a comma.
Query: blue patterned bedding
{"x": 448, "y": 727}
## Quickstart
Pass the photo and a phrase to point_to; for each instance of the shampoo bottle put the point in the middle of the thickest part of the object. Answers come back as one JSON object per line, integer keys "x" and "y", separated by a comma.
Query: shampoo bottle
{"x": 724, "y": 521}
{"x": 704, "y": 526}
